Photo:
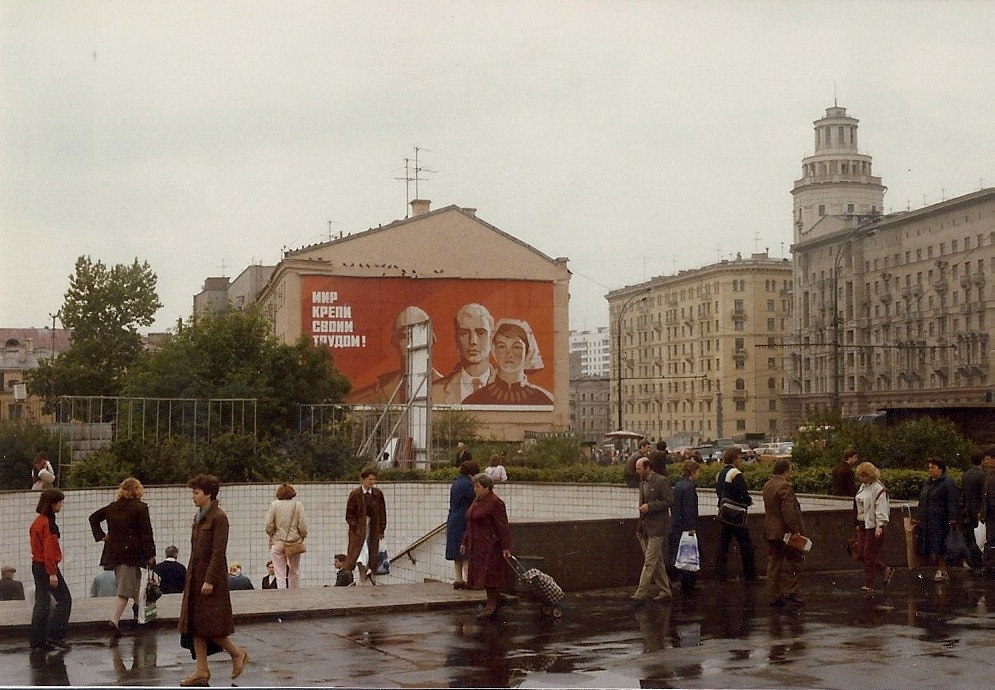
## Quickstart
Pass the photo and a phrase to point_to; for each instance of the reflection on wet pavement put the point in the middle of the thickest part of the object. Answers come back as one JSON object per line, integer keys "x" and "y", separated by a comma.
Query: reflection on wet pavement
{"x": 917, "y": 634}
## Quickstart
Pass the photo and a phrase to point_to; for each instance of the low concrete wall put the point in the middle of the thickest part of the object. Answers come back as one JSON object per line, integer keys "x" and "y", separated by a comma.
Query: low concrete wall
{"x": 583, "y": 531}
{"x": 605, "y": 553}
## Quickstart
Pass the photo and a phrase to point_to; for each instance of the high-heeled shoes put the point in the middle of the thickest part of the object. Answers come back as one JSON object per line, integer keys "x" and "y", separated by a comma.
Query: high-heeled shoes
{"x": 196, "y": 679}
{"x": 238, "y": 664}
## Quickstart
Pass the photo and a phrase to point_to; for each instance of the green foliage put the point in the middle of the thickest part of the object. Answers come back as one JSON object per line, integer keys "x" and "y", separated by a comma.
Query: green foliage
{"x": 321, "y": 457}
{"x": 233, "y": 354}
{"x": 100, "y": 468}
{"x": 104, "y": 308}
{"x": 19, "y": 443}
{"x": 554, "y": 451}
{"x": 451, "y": 426}
{"x": 907, "y": 445}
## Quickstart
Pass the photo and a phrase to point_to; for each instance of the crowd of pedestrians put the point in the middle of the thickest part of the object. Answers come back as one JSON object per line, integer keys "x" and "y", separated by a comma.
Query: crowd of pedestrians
{"x": 478, "y": 541}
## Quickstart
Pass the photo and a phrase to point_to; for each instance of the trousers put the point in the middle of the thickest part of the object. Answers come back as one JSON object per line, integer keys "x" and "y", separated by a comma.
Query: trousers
{"x": 41, "y": 627}
{"x": 654, "y": 571}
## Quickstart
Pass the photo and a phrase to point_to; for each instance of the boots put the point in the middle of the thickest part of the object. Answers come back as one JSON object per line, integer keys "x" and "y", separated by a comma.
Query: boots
{"x": 490, "y": 609}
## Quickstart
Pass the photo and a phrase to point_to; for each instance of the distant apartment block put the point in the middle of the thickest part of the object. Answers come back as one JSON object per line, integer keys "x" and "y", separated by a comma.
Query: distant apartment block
{"x": 592, "y": 352}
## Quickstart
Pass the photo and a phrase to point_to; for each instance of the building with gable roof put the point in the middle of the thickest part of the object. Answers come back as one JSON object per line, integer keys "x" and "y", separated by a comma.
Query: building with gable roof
{"x": 483, "y": 290}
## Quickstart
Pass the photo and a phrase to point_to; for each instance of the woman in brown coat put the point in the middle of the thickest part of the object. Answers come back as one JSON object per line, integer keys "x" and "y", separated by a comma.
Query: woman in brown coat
{"x": 487, "y": 541}
{"x": 205, "y": 614}
{"x": 366, "y": 514}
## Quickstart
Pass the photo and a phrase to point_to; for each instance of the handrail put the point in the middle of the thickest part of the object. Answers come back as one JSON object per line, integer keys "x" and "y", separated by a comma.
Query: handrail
{"x": 418, "y": 542}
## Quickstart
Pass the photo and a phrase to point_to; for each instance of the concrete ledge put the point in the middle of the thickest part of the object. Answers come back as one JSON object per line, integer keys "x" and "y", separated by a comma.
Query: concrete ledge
{"x": 264, "y": 605}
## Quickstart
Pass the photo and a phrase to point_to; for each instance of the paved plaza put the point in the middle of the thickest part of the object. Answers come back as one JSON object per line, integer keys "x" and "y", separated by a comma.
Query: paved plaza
{"x": 918, "y": 634}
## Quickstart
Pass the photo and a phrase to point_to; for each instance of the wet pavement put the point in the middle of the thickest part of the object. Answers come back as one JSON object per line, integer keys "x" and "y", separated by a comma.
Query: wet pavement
{"x": 917, "y": 634}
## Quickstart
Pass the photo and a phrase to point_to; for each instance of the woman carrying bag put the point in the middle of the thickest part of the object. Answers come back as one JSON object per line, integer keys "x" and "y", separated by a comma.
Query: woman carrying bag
{"x": 287, "y": 528}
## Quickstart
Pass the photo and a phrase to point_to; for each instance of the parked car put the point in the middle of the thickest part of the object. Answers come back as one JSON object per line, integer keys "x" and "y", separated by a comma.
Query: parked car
{"x": 772, "y": 452}
{"x": 749, "y": 454}
{"x": 707, "y": 453}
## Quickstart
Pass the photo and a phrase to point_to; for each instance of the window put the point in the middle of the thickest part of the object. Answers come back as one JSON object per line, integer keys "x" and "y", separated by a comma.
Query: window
{"x": 772, "y": 405}
{"x": 771, "y": 384}
{"x": 740, "y": 406}
{"x": 770, "y": 324}
{"x": 770, "y": 305}
{"x": 822, "y": 209}
{"x": 740, "y": 424}
{"x": 740, "y": 384}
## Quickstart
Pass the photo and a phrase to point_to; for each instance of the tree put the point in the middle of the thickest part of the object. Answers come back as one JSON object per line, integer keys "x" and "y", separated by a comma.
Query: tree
{"x": 104, "y": 307}
{"x": 234, "y": 354}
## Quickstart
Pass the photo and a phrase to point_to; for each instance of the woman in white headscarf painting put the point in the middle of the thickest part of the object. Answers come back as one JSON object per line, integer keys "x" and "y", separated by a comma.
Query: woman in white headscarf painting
{"x": 515, "y": 353}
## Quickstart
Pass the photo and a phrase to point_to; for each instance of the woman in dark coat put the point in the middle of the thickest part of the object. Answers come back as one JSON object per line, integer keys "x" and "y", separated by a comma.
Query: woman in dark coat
{"x": 205, "y": 614}
{"x": 366, "y": 515}
{"x": 460, "y": 497}
{"x": 128, "y": 543}
{"x": 487, "y": 541}
{"x": 938, "y": 509}
{"x": 684, "y": 517}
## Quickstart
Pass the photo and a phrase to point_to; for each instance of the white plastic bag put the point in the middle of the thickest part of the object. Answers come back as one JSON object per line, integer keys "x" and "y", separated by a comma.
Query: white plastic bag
{"x": 687, "y": 553}
{"x": 980, "y": 536}
{"x": 147, "y": 610}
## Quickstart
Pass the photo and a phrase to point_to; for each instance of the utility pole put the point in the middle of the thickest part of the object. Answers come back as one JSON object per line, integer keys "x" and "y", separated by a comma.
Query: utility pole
{"x": 618, "y": 350}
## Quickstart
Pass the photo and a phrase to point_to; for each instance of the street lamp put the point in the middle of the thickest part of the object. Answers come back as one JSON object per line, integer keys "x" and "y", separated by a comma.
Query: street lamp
{"x": 618, "y": 352}
{"x": 848, "y": 239}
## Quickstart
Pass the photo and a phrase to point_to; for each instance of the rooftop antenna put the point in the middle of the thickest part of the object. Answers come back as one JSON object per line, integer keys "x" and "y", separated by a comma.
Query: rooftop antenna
{"x": 834, "y": 93}
{"x": 718, "y": 252}
{"x": 413, "y": 173}
{"x": 419, "y": 169}
{"x": 223, "y": 268}
{"x": 330, "y": 228}
{"x": 673, "y": 264}
{"x": 782, "y": 249}
{"x": 756, "y": 241}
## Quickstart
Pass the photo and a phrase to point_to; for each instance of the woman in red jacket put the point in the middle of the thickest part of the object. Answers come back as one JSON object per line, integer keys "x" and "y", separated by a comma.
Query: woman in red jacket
{"x": 46, "y": 554}
{"x": 487, "y": 541}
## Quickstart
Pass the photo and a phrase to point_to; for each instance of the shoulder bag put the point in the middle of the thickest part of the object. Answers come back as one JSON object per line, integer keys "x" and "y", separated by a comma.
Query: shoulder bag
{"x": 732, "y": 513}
{"x": 294, "y": 548}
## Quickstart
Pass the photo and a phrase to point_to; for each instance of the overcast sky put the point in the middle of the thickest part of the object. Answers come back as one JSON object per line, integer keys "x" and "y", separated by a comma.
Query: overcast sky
{"x": 632, "y": 137}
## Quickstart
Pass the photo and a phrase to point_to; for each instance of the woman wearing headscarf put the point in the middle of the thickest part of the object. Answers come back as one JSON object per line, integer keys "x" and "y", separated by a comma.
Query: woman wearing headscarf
{"x": 128, "y": 543}
{"x": 938, "y": 511}
{"x": 285, "y": 522}
{"x": 515, "y": 353}
{"x": 48, "y": 628}
{"x": 487, "y": 542}
{"x": 206, "y": 619}
{"x": 460, "y": 497}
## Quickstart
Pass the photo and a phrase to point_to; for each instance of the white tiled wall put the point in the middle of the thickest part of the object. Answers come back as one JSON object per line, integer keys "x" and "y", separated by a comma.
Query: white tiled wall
{"x": 413, "y": 509}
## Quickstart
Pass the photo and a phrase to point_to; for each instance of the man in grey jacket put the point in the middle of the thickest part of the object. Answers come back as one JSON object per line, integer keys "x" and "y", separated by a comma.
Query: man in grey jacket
{"x": 655, "y": 499}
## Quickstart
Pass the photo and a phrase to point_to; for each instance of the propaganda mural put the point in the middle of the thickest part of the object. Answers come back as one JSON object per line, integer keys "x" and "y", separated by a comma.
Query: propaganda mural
{"x": 493, "y": 346}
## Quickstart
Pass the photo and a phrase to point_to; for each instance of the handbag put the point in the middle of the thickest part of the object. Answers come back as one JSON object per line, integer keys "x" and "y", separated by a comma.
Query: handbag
{"x": 294, "y": 548}
{"x": 688, "y": 557}
{"x": 981, "y": 535}
{"x": 732, "y": 513}
{"x": 853, "y": 545}
{"x": 955, "y": 546}
{"x": 911, "y": 539}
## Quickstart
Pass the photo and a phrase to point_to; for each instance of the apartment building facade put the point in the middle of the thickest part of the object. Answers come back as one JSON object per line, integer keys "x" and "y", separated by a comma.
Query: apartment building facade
{"x": 698, "y": 355}
{"x": 891, "y": 310}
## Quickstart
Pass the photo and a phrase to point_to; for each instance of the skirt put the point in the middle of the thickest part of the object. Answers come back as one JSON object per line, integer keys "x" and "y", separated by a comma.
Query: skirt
{"x": 128, "y": 579}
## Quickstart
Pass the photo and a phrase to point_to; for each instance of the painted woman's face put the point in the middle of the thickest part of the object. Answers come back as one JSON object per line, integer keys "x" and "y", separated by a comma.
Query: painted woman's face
{"x": 509, "y": 353}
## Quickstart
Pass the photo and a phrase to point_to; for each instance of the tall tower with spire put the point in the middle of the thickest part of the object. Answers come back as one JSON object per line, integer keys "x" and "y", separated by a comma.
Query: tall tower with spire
{"x": 836, "y": 179}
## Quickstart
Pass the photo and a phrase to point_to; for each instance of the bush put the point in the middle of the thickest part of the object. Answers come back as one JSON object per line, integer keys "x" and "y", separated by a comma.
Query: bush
{"x": 19, "y": 443}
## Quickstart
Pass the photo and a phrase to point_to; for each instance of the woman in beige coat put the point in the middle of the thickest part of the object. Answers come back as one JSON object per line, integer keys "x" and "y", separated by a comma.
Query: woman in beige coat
{"x": 285, "y": 522}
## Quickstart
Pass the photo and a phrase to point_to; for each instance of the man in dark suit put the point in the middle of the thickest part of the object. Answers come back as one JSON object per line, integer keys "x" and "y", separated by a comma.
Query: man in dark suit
{"x": 659, "y": 457}
{"x": 172, "y": 574}
{"x": 782, "y": 515}
{"x": 655, "y": 499}
{"x": 844, "y": 482}
{"x": 366, "y": 515}
{"x": 972, "y": 493}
